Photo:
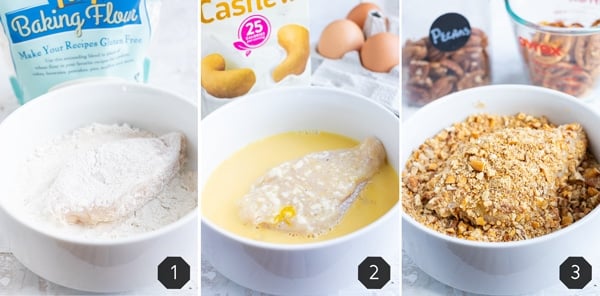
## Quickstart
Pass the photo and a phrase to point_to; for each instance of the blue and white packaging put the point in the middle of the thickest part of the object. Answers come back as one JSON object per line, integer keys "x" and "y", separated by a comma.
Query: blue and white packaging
{"x": 52, "y": 42}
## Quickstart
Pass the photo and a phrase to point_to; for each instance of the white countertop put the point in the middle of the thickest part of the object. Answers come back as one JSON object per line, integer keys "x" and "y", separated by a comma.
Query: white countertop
{"x": 173, "y": 56}
{"x": 506, "y": 69}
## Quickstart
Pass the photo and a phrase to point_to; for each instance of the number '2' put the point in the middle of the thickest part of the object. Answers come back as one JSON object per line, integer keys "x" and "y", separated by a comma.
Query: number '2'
{"x": 373, "y": 277}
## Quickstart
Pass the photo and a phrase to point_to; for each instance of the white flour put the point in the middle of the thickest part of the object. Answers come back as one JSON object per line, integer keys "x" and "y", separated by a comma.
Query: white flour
{"x": 40, "y": 172}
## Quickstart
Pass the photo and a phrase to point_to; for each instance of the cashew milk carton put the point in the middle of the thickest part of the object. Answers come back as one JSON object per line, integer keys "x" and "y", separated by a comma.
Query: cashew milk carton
{"x": 252, "y": 45}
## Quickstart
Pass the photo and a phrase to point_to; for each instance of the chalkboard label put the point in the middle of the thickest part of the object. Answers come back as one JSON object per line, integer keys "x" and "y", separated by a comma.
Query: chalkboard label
{"x": 450, "y": 32}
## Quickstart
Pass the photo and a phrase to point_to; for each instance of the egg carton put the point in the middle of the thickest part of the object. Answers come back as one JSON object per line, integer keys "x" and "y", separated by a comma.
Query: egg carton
{"x": 349, "y": 74}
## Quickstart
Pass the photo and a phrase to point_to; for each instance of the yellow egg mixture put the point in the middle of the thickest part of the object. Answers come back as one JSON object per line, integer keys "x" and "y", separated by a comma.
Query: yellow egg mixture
{"x": 234, "y": 177}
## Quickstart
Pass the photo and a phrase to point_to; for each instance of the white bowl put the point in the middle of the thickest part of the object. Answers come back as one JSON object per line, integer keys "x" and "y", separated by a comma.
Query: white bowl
{"x": 100, "y": 265}
{"x": 508, "y": 267}
{"x": 305, "y": 268}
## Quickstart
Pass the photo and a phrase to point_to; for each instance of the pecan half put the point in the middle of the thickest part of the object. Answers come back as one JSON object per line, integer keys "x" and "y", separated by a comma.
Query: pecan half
{"x": 425, "y": 82}
{"x": 413, "y": 51}
{"x": 443, "y": 86}
{"x": 417, "y": 68}
{"x": 477, "y": 39}
{"x": 436, "y": 70}
{"x": 472, "y": 79}
{"x": 453, "y": 67}
{"x": 434, "y": 54}
{"x": 568, "y": 78}
{"x": 418, "y": 95}
{"x": 587, "y": 52}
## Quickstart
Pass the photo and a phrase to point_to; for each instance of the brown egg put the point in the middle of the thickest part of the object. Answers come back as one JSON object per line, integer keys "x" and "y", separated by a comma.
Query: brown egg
{"x": 380, "y": 53}
{"x": 340, "y": 37}
{"x": 359, "y": 13}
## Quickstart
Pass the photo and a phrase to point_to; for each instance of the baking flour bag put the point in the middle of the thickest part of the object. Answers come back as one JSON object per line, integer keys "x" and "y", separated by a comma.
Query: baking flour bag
{"x": 55, "y": 41}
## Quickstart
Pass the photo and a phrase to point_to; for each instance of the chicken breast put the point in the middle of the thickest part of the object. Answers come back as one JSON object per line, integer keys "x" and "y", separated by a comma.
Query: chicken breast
{"x": 508, "y": 180}
{"x": 113, "y": 180}
{"x": 309, "y": 195}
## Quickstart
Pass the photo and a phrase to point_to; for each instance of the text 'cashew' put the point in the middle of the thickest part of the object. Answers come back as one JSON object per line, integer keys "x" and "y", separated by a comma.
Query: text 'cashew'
{"x": 223, "y": 83}
{"x": 295, "y": 40}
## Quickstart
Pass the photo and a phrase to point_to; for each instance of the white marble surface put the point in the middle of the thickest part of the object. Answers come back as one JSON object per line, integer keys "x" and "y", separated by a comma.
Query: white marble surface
{"x": 506, "y": 69}
{"x": 174, "y": 67}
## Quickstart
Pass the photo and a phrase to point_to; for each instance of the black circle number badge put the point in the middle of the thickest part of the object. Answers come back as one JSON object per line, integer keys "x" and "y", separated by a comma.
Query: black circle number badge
{"x": 450, "y": 32}
{"x": 575, "y": 272}
{"x": 374, "y": 272}
{"x": 174, "y": 272}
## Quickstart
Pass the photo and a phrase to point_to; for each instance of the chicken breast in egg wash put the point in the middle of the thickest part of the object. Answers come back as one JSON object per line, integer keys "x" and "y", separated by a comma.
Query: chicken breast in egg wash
{"x": 309, "y": 195}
